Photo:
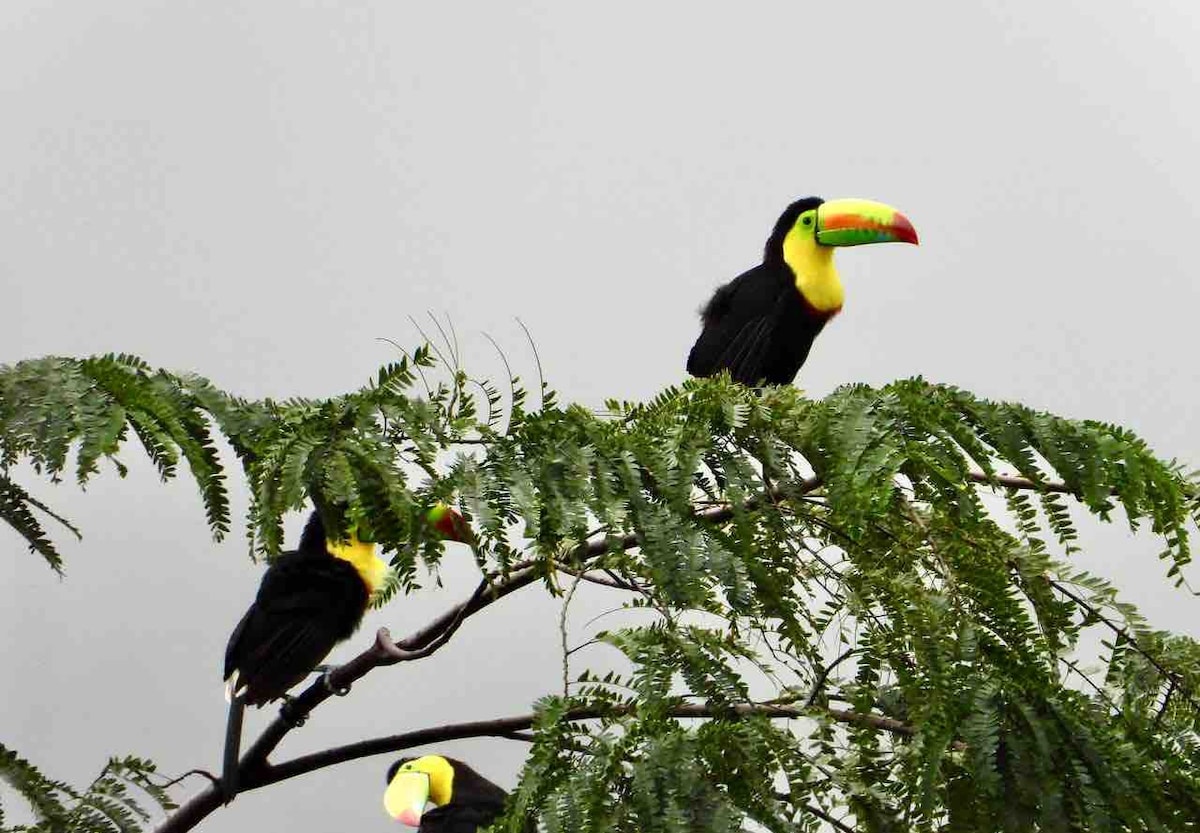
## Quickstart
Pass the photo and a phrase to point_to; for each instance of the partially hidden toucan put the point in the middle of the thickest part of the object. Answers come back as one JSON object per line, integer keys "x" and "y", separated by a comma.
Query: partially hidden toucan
{"x": 466, "y": 801}
{"x": 761, "y": 325}
{"x": 309, "y": 600}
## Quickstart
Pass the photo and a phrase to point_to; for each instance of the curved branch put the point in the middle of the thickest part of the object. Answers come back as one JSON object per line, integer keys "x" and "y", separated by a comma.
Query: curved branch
{"x": 194, "y": 811}
{"x": 507, "y": 726}
{"x": 420, "y": 644}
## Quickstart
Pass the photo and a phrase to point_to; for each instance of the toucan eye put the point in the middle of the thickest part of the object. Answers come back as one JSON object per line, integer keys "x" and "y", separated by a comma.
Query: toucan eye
{"x": 807, "y": 221}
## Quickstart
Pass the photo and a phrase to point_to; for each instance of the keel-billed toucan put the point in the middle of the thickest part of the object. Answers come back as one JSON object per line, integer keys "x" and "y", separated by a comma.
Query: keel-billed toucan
{"x": 309, "y": 600}
{"x": 760, "y": 325}
{"x": 466, "y": 801}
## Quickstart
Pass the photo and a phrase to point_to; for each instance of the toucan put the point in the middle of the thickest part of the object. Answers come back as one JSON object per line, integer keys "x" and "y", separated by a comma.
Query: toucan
{"x": 466, "y": 801}
{"x": 309, "y": 600}
{"x": 761, "y": 325}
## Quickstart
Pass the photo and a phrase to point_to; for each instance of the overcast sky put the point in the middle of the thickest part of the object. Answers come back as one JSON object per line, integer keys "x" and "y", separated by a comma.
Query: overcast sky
{"x": 260, "y": 192}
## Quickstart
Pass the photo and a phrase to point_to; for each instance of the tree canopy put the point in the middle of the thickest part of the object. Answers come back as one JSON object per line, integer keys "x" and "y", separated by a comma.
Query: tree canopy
{"x": 863, "y": 611}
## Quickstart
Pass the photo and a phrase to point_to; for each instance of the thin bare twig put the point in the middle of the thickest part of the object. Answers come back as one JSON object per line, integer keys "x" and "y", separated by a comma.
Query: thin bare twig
{"x": 451, "y": 343}
{"x": 537, "y": 360}
{"x": 604, "y": 581}
{"x": 824, "y": 675}
{"x": 432, "y": 344}
{"x": 1010, "y": 481}
{"x": 512, "y": 381}
{"x": 204, "y": 773}
{"x": 1165, "y": 704}
{"x": 562, "y": 633}
{"x": 1123, "y": 633}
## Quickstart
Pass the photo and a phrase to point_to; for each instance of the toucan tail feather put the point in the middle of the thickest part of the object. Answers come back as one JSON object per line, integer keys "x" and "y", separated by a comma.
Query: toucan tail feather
{"x": 233, "y": 744}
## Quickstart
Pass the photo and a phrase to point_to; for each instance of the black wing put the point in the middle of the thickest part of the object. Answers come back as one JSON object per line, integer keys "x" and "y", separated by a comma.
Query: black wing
{"x": 741, "y": 326}
{"x": 305, "y": 605}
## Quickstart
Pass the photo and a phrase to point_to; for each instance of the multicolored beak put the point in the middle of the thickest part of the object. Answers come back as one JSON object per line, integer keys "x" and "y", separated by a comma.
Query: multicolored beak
{"x": 449, "y": 523}
{"x": 858, "y": 222}
{"x": 406, "y": 797}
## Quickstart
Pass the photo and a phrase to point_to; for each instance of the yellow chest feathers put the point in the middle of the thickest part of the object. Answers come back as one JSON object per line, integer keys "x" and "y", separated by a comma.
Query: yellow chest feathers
{"x": 816, "y": 276}
{"x": 363, "y": 558}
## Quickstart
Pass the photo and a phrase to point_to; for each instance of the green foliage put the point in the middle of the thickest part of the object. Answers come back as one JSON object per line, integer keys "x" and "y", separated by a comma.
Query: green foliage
{"x": 48, "y": 406}
{"x": 880, "y": 631}
{"x": 857, "y": 522}
{"x": 114, "y": 802}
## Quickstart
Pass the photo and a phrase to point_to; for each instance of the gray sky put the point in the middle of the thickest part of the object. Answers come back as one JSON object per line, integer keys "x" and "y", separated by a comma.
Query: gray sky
{"x": 259, "y": 192}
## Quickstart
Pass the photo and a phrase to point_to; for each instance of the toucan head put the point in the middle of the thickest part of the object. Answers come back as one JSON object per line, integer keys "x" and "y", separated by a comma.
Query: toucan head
{"x": 357, "y": 549}
{"x": 413, "y": 783}
{"x": 845, "y": 222}
{"x": 810, "y": 229}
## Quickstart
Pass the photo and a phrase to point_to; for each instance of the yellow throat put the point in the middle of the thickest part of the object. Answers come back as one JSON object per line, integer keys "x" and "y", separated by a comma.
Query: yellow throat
{"x": 362, "y": 557}
{"x": 812, "y": 265}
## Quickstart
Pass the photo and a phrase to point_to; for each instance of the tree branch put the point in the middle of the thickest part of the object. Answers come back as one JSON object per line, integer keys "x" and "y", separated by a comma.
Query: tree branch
{"x": 420, "y": 644}
{"x": 194, "y": 811}
{"x": 1009, "y": 481}
{"x": 507, "y": 726}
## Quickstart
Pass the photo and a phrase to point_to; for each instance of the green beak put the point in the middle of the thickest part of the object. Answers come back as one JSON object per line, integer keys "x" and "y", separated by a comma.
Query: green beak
{"x": 858, "y": 222}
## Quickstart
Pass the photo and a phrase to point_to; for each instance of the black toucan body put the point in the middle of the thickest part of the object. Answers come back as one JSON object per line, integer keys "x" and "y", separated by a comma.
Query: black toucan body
{"x": 466, "y": 801}
{"x": 761, "y": 325}
{"x": 309, "y": 600}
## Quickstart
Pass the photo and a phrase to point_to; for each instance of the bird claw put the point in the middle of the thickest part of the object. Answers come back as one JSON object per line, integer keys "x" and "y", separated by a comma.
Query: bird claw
{"x": 285, "y": 711}
{"x": 327, "y": 681}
